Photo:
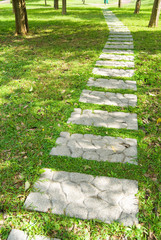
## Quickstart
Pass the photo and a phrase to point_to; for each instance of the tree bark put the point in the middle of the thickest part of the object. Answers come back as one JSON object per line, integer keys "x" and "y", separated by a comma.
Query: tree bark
{"x": 155, "y": 14}
{"x": 56, "y": 4}
{"x": 137, "y": 6}
{"x": 64, "y": 7}
{"x": 20, "y": 17}
{"x": 120, "y": 3}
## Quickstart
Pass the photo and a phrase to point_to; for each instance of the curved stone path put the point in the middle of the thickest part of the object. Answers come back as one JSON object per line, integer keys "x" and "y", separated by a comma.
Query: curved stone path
{"x": 85, "y": 196}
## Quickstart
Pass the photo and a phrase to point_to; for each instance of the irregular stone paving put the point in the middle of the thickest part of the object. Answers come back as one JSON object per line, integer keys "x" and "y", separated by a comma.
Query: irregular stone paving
{"x": 118, "y": 42}
{"x": 113, "y": 72}
{"x": 119, "y": 46}
{"x": 108, "y": 98}
{"x": 115, "y": 64}
{"x": 117, "y": 57}
{"x": 111, "y": 83}
{"x": 120, "y": 36}
{"x": 99, "y": 118}
{"x": 130, "y": 40}
{"x": 95, "y": 147}
{"x": 16, "y": 234}
{"x": 85, "y": 196}
{"x": 118, "y": 51}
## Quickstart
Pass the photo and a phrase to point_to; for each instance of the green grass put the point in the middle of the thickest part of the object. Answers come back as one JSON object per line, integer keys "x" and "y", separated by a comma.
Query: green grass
{"x": 42, "y": 76}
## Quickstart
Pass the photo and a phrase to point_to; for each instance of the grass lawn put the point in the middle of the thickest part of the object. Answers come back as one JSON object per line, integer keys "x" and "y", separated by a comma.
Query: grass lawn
{"x": 42, "y": 76}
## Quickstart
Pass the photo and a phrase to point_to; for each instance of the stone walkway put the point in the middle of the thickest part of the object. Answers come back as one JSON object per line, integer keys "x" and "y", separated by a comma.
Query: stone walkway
{"x": 85, "y": 196}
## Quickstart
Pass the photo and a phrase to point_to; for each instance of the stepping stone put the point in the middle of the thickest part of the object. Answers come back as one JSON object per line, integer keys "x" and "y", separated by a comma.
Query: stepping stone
{"x": 118, "y": 51}
{"x": 117, "y": 57}
{"x": 108, "y": 98}
{"x": 120, "y": 36}
{"x": 113, "y": 72}
{"x": 120, "y": 39}
{"x": 123, "y": 46}
{"x": 117, "y": 42}
{"x": 85, "y": 196}
{"x": 112, "y": 83}
{"x": 16, "y": 234}
{"x": 115, "y": 64}
{"x": 119, "y": 32}
{"x": 98, "y": 148}
{"x": 99, "y": 118}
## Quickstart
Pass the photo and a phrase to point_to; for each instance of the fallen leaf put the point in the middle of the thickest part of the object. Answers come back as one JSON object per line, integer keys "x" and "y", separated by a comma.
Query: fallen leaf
{"x": 26, "y": 106}
{"x": 113, "y": 148}
{"x": 27, "y": 185}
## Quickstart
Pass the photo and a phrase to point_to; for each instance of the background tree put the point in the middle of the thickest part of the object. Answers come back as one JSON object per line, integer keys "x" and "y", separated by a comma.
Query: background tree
{"x": 120, "y": 3}
{"x": 56, "y": 4}
{"x": 137, "y": 6}
{"x": 45, "y": 2}
{"x": 20, "y": 17}
{"x": 64, "y": 7}
{"x": 155, "y": 14}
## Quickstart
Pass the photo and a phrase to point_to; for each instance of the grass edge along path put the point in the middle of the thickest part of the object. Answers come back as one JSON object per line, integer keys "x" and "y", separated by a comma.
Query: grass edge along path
{"x": 148, "y": 187}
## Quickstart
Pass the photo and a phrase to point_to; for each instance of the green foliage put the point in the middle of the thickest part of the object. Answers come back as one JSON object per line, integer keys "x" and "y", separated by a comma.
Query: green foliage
{"x": 42, "y": 76}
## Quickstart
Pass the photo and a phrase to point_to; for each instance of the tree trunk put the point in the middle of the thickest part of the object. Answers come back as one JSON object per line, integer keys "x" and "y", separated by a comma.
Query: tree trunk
{"x": 64, "y": 7}
{"x": 120, "y": 3}
{"x": 155, "y": 14}
{"x": 20, "y": 17}
{"x": 56, "y": 4}
{"x": 45, "y": 2}
{"x": 137, "y": 6}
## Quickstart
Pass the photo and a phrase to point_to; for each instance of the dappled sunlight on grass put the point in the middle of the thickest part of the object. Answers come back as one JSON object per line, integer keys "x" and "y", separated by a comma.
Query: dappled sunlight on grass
{"x": 42, "y": 76}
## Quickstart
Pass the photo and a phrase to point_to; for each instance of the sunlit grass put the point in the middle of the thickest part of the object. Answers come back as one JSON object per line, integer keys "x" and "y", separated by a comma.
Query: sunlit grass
{"x": 42, "y": 76}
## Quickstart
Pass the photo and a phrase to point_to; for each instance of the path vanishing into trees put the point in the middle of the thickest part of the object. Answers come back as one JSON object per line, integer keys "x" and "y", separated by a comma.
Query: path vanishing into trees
{"x": 85, "y": 196}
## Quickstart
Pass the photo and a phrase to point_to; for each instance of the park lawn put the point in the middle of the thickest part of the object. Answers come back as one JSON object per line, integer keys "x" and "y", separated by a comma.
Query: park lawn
{"x": 42, "y": 76}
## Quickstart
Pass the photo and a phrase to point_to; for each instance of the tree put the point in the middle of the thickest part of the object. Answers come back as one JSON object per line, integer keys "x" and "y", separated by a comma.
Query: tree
{"x": 155, "y": 14}
{"x": 120, "y": 3}
{"x": 64, "y": 7}
{"x": 137, "y": 6}
{"x": 56, "y": 4}
{"x": 20, "y": 17}
{"x": 45, "y": 2}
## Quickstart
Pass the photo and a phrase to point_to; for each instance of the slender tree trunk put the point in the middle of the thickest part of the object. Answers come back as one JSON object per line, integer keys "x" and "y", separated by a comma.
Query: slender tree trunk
{"x": 120, "y": 3}
{"x": 155, "y": 14}
{"x": 137, "y": 6}
{"x": 20, "y": 17}
{"x": 56, "y": 4}
{"x": 64, "y": 7}
{"x": 45, "y": 2}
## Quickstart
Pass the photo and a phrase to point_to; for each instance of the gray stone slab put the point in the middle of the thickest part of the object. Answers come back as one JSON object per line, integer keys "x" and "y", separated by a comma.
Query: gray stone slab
{"x": 99, "y": 118}
{"x": 130, "y": 40}
{"x": 119, "y": 46}
{"x": 115, "y": 64}
{"x": 112, "y": 51}
{"x": 119, "y": 43}
{"x": 16, "y": 234}
{"x": 103, "y": 198}
{"x": 95, "y": 147}
{"x": 113, "y": 72}
{"x": 116, "y": 57}
{"x": 108, "y": 98}
{"x": 119, "y": 32}
{"x": 112, "y": 83}
{"x": 120, "y": 36}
